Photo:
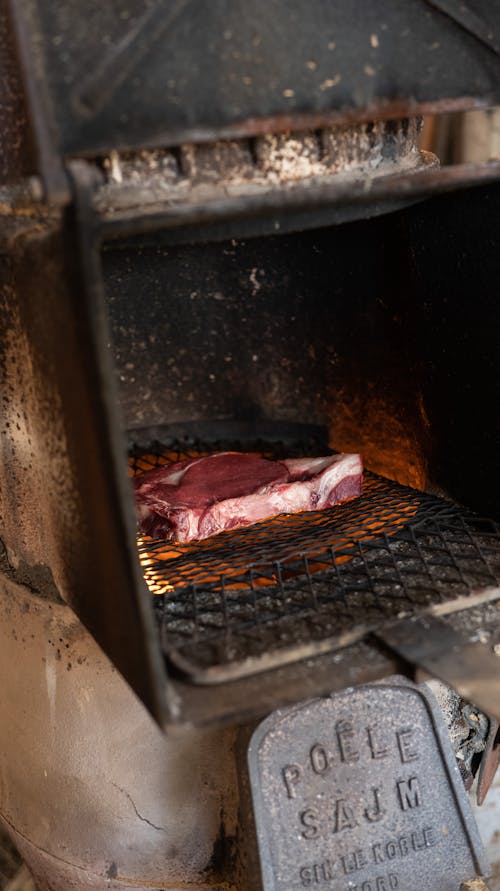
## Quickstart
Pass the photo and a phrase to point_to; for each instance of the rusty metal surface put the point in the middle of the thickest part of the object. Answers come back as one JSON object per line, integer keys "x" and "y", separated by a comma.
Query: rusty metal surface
{"x": 109, "y": 76}
{"x": 16, "y": 149}
{"x": 199, "y": 174}
{"x": 400, "y": 400}
{"x": 61, "y": 520}
{"x": 362, "y": 788}
{"x": 44, "y": 156}
{"x": 302, "y": 205}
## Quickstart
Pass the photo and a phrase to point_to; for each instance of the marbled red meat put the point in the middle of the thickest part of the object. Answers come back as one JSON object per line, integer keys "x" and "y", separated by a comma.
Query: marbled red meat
{"x": 200, "y": 497}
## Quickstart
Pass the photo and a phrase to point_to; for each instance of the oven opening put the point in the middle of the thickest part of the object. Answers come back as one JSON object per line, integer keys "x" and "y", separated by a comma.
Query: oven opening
{"x": 291, "y": 345}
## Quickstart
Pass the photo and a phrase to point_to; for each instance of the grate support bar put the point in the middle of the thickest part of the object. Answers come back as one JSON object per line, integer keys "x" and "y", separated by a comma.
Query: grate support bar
{"x": 472, "y": 668}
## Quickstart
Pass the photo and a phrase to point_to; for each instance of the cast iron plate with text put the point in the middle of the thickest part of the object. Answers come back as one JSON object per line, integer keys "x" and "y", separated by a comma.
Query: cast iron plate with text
{"x": 361, "y": 791}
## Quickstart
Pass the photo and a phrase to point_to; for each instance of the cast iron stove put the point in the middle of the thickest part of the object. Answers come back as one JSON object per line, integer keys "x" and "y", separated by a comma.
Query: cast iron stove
{"x": 220, "y": 232}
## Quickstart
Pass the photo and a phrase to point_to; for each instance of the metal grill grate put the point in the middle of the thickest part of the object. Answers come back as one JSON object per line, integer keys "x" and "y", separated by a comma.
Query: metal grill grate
{"x": 299, "y": 585}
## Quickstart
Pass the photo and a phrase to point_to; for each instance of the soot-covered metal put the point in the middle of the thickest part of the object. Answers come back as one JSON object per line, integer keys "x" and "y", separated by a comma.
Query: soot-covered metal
{"x": 131, "y": 74}
{"x": 271, "y": 328}
{"x": 251, "y": 308}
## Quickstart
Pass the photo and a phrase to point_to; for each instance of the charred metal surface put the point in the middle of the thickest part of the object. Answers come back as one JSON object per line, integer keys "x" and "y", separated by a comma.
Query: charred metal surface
{"x": 490, "y": 762}
{"x": 469, "y": 20}
{"x": 362, "y": 787}
{"x": 256, "y": 696}
{"x": 311, "y": 309}
{"x": 257, "y": 435}
{"x": 38, "y": 578}
{"x": 48, "y": 161}
{"x": 452, "y": 286}
{"x": 298, "y": 206}
{"x": 292, "y": 328}
{"x": 223, "y": 862}
{"x": 60, "y": 515}
{"x": 16, "y": 149}
{"x": 204, "y": 173}
{"x": 221, "y": 67}
{"x": 431, "y": 643}
{"x": 270, "y": 329}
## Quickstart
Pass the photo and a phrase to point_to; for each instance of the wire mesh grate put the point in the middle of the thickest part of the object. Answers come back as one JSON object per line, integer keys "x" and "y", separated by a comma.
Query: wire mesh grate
{"x": 301, "y": 584}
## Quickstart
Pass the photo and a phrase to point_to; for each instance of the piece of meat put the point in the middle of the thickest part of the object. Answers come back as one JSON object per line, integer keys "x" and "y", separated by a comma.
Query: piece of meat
{"x": 200, "y": 497}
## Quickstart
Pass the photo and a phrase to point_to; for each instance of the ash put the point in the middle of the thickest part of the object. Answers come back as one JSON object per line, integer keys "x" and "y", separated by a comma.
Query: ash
{"x": 467, "y": 727}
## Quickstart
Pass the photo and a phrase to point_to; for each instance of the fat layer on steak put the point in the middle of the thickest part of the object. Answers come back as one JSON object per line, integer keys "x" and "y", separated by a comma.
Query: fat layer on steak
{"x": 197, "y": 498}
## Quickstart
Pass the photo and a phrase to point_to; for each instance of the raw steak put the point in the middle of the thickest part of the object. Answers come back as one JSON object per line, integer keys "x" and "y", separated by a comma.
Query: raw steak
{"x": 197, "y": 498}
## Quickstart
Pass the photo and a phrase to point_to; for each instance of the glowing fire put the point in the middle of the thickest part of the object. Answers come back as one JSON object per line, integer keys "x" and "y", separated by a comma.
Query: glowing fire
{"x": 155, "y": 580}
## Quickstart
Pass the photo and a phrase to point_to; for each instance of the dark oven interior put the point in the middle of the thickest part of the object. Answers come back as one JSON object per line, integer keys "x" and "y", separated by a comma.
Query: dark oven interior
{"x": 360, "y": 337}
